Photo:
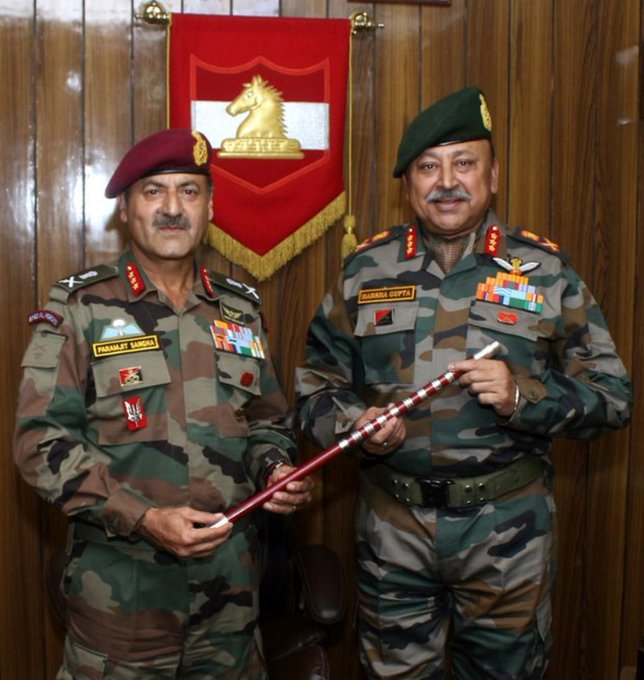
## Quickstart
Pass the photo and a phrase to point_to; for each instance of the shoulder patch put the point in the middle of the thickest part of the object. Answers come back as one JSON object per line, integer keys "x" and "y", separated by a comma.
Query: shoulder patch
{"x": 377, "y": 240}
{"x": 527, "y": 236}
{"x": 45, "y": 316}
{"x": 87, "y": 276}
{"x": 238, "y": 287}
{"x": 62, "y": 288}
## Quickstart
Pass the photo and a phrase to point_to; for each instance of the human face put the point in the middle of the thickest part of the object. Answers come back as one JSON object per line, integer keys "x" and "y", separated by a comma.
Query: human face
{"x": 450, "y": 187}
{"x": 167, "y": 215}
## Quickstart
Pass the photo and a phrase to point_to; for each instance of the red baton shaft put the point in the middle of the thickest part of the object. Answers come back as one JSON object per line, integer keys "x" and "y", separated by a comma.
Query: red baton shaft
{"x": 400, "y": 408}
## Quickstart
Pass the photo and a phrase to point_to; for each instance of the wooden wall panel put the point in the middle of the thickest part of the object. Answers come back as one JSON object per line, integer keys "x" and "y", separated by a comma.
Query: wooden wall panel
{"x": 443, "y": 68}
{"x": 530, "y": 83}
{"x": 108, "y": 128}
{"x": 60, "y": 182}
{"x": 571, "y": 224}
{"x": 633, "y": 624}
{"x": 397, "y": 102}
{"x": 614, "y": 275}
{"x": 488, "y": 58}
{"x": 561, "y": 78}
{"x": 21, "y": 592}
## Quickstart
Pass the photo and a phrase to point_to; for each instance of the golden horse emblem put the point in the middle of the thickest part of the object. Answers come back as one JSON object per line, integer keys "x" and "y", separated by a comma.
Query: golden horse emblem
{"x": 262, "y": 134}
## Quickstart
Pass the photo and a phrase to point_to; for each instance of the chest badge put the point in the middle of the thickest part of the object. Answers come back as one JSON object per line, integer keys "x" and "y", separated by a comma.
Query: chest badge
{"x": 231, "y": 314}
{"x": 511, "y": 290}
{"x": 515, "y": 265}
{"x": 383, "y": 317}
{"x": 119, "y": 328}
{"x": 231, "y": 337}
{"x": 134, "y": 413}
{"x": 130, "y": 376}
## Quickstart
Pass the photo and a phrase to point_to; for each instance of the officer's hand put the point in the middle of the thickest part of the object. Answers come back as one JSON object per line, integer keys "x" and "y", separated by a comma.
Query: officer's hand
{"x": 386, "y": 440}
{"x": 294, "y": 494}
{"x": 490, "y": 381}
{"x": 184, "y": 532}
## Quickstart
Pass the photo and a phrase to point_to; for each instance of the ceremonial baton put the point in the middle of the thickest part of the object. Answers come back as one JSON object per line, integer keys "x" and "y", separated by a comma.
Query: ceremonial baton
{"x": 400, "y": 408}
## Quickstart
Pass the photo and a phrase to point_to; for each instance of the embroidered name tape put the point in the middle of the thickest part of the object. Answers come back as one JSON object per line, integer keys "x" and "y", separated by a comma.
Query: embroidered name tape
{"x": 388, "y": 294}
{"x": 140, "y": 343}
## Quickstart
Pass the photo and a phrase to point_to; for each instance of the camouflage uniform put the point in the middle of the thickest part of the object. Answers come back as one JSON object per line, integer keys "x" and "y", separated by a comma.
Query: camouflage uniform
{"x": 200, "y": 428}
{"x": 392, "y": 324}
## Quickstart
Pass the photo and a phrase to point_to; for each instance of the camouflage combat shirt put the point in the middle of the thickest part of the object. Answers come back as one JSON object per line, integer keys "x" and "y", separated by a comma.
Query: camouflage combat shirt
{"x": 395, "y": 321}
{"x": 126, "y": 404}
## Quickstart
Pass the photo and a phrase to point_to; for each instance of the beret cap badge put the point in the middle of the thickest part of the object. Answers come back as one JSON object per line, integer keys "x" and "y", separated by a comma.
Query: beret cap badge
{"x": 200, "y": 149}
{"x": 485, "y": 114}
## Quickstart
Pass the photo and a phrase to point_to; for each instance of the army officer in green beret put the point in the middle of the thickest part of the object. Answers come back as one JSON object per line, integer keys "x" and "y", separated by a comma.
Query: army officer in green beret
{"x": 455, "y": 515}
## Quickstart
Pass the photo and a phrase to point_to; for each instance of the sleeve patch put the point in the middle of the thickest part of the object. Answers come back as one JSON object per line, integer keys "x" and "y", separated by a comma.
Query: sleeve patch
{"x": 45, "y": 316}
{"x": 87, "y": 276}
{"x": 43, "y": 351}
{"x": 239, "y": 287}
{"x": 542, "y": 242}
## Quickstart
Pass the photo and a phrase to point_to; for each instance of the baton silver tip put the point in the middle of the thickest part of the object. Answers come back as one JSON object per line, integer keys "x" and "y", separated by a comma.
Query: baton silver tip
{"x": 488, "y": 350}
{"x": 220, "y": 522}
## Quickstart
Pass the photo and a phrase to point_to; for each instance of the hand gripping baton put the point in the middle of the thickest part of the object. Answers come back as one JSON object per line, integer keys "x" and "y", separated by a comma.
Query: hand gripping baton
{"x": 400, "y": 408}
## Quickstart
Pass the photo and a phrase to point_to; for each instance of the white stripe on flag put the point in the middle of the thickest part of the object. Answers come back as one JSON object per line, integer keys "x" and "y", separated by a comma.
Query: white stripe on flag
{"x": 308, "y": 122}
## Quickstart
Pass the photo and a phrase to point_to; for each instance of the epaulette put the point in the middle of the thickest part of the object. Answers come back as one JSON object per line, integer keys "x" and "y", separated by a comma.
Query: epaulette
{"x": 526, "y": 236}
{"x": 238, "y": 287}
{"x": 377, "y": 240}
{"x": 64, "y": 287}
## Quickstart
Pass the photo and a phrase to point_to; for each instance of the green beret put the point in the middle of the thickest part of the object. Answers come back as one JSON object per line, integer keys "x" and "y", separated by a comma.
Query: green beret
{"x": 460, "y": 117}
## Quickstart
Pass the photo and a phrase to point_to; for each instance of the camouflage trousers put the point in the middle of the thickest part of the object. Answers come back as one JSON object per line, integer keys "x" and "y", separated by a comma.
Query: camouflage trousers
{"x": 466, "y": 589}
{"x": 137, "y": 613}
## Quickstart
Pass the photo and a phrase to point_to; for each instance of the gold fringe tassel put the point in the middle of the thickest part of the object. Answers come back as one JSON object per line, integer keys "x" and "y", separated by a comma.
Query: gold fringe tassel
{"x": 349, "y": 241}
{"x": 262, "y": 267}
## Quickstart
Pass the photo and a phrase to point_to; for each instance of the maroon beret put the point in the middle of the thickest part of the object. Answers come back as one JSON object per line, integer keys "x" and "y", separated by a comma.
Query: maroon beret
{"x": 172, "y": 150}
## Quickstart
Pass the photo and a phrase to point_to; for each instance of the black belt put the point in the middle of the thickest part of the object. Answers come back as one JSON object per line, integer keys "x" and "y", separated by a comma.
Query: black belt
{"x": 456, "y": 492}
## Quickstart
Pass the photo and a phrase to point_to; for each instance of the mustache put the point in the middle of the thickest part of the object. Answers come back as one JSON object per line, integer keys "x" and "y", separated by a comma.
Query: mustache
{"x": 171, "y": 221}
{"x": 448, "y": 194}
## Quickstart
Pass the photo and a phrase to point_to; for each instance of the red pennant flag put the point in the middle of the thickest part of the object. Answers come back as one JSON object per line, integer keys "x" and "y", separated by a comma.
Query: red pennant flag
{"x": 270, "y": 95}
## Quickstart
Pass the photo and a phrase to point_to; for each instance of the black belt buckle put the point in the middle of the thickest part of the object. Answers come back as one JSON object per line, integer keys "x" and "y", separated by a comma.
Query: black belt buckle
{"x": 435, "y": 492}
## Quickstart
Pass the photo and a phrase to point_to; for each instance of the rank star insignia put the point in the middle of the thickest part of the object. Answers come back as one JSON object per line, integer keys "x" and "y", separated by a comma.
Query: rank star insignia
{"x": 492, "y": 240}
{"x": 411, "y": 243}
{"x": 134, "y": 278}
